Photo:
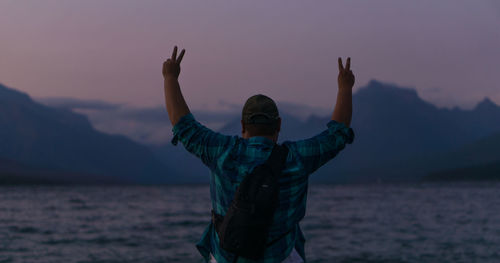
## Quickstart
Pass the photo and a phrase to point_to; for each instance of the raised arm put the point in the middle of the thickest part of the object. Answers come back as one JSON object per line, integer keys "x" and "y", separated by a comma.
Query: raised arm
{"x": 196, "y": 138}
{"x": 319, "y": 149}
{"x": 343, "y": 108}
{"x": 176, "y": 105}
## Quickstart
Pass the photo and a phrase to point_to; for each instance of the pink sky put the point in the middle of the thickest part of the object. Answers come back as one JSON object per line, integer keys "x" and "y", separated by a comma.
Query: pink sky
{"x": 113, "y": 50}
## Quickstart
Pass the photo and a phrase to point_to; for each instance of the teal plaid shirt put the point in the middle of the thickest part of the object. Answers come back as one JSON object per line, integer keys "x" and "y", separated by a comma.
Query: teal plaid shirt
{"x": 230, "y": 158}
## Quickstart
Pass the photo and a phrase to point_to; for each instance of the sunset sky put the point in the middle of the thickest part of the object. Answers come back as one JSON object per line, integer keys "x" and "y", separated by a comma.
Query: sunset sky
{"x": 448, "y": 50}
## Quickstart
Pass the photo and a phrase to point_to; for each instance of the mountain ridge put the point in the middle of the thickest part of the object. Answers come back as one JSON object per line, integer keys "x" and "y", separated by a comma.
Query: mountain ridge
{"x": 396, "y": 131}
{"x": 398, "y": 134}
{"x": 38, "y": 135}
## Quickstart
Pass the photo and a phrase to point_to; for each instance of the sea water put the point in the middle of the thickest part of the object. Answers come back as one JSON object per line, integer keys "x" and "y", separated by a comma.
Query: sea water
{"x": 457, "y": 222}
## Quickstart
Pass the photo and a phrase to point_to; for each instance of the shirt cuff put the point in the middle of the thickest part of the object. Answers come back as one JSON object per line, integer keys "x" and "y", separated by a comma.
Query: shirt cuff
{"x": 183, "y": 124}
{"x": 339, "y": 128}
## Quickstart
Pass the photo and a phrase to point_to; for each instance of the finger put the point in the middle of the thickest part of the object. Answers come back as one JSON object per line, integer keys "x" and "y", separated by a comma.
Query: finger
{"x": 174, "y": 54}
{"x": 181, "y": 55}
{"x": 348, "y": 64}
{"x": 341, "y": 68}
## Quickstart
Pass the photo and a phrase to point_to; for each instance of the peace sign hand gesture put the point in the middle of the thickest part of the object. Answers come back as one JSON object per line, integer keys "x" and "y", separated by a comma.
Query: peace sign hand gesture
{"x": 346, "y": 77}
{"x": 172, "y": 67}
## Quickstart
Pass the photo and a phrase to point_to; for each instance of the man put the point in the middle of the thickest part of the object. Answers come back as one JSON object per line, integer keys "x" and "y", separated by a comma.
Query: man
{"x": 230, "y": 158}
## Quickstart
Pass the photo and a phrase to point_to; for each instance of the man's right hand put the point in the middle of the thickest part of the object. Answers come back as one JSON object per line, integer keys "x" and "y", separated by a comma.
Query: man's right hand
{"x": 346, "y": 77}
{"x": 176, "y": 105}
{"x": 172, "y": 67}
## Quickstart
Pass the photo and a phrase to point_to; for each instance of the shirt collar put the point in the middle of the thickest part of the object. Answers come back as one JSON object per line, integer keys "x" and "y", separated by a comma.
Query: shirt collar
{"x": 260, "y": 140}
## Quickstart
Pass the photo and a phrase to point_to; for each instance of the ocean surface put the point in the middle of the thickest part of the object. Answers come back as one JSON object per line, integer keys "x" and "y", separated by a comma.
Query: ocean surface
{"x": 363, "y": 223}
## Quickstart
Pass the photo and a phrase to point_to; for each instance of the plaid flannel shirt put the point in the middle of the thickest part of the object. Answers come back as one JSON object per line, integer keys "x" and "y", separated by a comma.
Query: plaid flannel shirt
{"x": 230, "y": 158}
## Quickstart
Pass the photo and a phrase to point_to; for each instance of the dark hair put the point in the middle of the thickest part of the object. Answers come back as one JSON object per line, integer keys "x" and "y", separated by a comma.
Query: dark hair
{"x": 261, "y": 129}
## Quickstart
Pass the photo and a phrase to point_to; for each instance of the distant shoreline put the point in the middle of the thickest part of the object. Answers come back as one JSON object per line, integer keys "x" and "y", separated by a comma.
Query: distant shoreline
{"x": 485, "y": 172}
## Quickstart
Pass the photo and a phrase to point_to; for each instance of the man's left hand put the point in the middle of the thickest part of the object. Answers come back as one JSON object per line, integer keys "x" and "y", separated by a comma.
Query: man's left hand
{"x": 172, "y": 67}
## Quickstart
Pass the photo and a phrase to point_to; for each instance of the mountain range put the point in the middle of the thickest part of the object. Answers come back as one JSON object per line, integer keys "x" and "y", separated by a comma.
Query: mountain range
{"x": 61, "y": 141}
{"x": 398, "y": 137}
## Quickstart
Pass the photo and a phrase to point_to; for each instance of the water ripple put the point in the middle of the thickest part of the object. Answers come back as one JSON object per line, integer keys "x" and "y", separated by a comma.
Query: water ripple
{"x": 371, "y": 223}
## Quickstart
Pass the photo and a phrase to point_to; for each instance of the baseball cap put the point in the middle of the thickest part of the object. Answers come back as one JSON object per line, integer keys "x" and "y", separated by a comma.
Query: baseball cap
{"x": 260, "y": 109}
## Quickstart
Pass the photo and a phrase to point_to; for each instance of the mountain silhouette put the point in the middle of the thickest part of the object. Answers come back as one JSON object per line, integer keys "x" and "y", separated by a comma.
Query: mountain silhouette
{"x": 61, "y": 140}
{"x": 479, "y": 160}
{"x": 399, "y": 136}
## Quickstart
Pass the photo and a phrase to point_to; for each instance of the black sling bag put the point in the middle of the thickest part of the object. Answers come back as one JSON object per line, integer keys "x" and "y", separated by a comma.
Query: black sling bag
{"x": 245, "y": 227}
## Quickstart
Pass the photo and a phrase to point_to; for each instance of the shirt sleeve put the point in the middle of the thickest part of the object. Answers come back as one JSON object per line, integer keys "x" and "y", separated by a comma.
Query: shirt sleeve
{"x": 318, "y": 150}
{"x": 200, "y": 140}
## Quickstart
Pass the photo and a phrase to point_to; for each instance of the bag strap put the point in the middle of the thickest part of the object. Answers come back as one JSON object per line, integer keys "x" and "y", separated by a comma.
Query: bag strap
{"x": 277, "y": 162}
{"x": 277, "y": 158}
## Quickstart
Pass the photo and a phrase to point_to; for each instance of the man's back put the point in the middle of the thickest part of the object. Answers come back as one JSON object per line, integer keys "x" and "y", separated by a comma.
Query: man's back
{"x": 230, "y": 158}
